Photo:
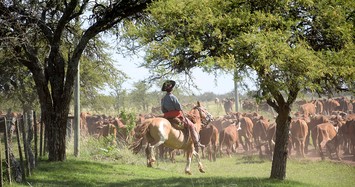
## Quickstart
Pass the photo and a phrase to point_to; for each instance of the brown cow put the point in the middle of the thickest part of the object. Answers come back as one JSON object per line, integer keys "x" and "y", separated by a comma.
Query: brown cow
{"x": 345, "y": 104}
{"x": 83, "y": 123}
{"x": 349, "y": 117}
{"x": 347, "y": 134}
{"x": 260, "y": 134}
{"x": 106, "y": 129}
{"x": 330, "y": 105}
{"x": 314, "y": 121}
{"x": 308, "y": 109}
{"x": 271, "y": 131}
{"x": 90, "y": 122}
{"x": 246, "y": 133}
{"x": 321, "y": 134}
{"x": 319, "y": 106}
{"x": 270, "y": 137}
{"x": 221, "y": 123}
{"x": 333, "y": 144}
{"x": 123, "y": 133}
{"x": 249, "y": 105}
{"x": 209, "y": 136}
{"x": 229, "y": 137}
{"x": 228, "y": 105}
{"x": 167, "y": 153}
{"x": 351, "y": 129}
{"x": 299, "y": 131}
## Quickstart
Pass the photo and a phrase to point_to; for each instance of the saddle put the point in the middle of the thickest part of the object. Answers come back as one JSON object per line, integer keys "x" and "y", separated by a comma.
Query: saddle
{"x": 176, "y": 123}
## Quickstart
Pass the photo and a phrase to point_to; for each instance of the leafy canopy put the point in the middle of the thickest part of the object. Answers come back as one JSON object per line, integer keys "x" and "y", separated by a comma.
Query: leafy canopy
{"x": 290, "y": 45}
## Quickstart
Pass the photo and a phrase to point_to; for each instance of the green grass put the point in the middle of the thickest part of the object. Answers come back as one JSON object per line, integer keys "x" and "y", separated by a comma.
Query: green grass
{"x": 120, "y": 168}
{"x": 103, "y": 163}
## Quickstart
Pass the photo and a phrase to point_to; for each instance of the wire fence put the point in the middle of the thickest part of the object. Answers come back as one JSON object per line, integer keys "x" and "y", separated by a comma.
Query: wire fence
{"x": 18, "y": 161}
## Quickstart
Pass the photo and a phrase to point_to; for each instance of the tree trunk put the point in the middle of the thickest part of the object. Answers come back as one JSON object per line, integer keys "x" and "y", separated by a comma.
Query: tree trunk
{"x": 278, "y": 170}
{"x": 56, "y": 122}
{"x": 55, "y": 109}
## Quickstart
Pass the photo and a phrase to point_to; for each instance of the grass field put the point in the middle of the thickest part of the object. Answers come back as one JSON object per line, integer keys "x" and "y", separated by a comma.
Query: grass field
{"x": 103, "y": 164}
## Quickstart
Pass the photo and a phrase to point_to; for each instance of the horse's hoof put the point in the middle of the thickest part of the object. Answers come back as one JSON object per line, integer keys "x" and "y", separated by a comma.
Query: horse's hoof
{"x": 188, "y": 172}
{"x": 202, "y": 171}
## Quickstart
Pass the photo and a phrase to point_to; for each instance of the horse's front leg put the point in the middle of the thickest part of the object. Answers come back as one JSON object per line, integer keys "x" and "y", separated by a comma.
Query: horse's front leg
{"x": 200, "y": 166}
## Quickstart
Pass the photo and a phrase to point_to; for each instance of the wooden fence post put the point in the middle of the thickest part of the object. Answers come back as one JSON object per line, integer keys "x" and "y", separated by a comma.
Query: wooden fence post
{"x": 7, "y": 153}
{"x": 24, "y": 125}
{"x": 1, "y": 171}
{"x": 30, "y": 135}
{"x": 36, "y": 135}
{"x": 41, "y": 139}
{"x": 20, "y": 150}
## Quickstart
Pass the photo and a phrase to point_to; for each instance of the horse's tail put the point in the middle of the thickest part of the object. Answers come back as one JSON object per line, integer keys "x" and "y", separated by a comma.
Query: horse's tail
{"x": 139, "y": 136}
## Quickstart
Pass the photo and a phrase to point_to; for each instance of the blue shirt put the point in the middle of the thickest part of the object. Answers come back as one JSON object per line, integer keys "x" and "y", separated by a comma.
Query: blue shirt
{"x": 169, "y": 103}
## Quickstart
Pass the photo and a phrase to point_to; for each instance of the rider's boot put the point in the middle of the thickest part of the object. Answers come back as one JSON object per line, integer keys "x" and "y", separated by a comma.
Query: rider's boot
{"x": 194, "y": 134}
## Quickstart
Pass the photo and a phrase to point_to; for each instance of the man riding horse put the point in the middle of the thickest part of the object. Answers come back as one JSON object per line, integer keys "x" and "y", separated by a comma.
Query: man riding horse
{"x": 172, "y": 109}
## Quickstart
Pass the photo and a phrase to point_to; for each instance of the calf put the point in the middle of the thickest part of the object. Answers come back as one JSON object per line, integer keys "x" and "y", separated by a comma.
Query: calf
{"x": 299, "y": 131}
{"x": 332, "y": 146}
{"x": 246, "y": 133}
{"x": 271, "y": 131}
{"x": 308, "y": 109}
{"x": 314, "y": 121}
{"x": 229, "y": 137}
{"x": 260, "y": 134}
{"x": 322, "y": 133}
{"x": 346, "y": 134}
{"x": 209, "y": 137}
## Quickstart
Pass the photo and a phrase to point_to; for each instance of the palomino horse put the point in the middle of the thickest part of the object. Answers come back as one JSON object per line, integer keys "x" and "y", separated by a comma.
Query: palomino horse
{"x": 159, "y": 131}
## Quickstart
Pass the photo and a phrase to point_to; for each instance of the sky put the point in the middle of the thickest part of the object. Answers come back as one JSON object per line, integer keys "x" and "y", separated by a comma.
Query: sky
{"x": 206, "y": 82}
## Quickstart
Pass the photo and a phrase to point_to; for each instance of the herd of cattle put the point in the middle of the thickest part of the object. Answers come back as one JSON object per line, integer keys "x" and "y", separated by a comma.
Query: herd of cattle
{"x": 323, "y": 126}
{"x": 326, "y": 126}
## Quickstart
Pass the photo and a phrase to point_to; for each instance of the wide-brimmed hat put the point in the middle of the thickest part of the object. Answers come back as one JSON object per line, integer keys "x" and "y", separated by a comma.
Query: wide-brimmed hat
{"x": 168, "y": 85}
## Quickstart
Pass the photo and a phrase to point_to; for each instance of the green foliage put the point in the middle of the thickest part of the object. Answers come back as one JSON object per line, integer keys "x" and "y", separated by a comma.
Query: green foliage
{"x": 129, "y": 119}
{"x": 292, "y": 45}
{"x": 98, "y": 71}
{"x": 101, "y": 104}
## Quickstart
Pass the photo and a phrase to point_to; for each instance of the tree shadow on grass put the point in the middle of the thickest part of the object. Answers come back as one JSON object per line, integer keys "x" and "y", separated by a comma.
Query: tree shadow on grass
{"x": 87, "y": 173}
{"x": 210, "y": 181}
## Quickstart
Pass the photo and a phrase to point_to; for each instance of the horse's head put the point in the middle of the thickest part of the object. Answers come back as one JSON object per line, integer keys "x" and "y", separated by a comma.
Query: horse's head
{"x": 203, "y": 114}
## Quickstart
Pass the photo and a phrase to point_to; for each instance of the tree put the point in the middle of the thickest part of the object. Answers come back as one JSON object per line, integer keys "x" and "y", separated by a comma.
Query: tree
{"x": 97, "y": 73}
{"x": 289, "y": 45}
{"x": 118, "y": 93}
{"x": 97, "y": 70}
{"x": 35, "y": 33}
{"x": 140, "y": 96}
{"x": 13, "y": 79}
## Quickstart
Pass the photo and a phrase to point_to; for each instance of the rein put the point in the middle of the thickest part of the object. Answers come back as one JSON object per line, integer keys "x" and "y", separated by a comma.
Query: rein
{"x": 208, "y": 117}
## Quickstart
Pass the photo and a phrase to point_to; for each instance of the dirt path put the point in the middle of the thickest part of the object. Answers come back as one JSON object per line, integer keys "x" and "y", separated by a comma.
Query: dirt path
{"x": 312, "y": 155}
{"x": 346, "y": 159}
